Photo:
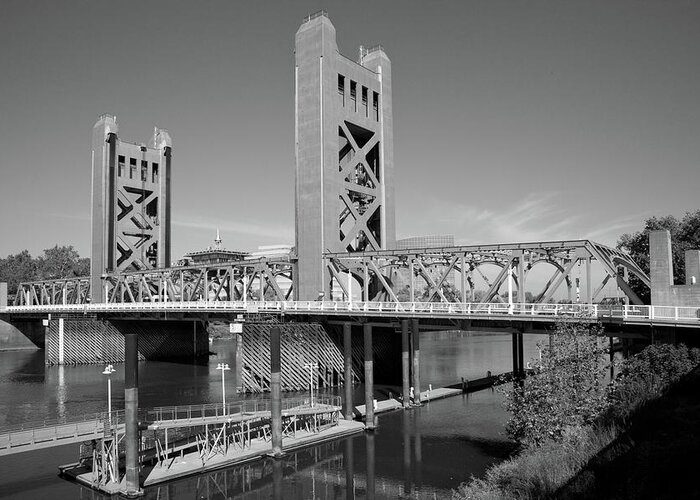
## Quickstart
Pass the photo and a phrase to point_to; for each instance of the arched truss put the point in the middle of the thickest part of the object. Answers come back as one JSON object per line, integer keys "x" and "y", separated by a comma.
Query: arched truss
{"x": 438, "y": 268}
{"x": 215, "y": 282}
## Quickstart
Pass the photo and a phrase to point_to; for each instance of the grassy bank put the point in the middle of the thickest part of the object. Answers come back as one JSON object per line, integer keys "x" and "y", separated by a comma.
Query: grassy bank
{"x": 543, "y": 469}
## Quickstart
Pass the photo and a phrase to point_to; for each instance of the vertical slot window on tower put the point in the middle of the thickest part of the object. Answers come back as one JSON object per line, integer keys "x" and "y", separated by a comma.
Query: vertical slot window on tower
{"x": 364, "y": 99}
{"x": 132, "y": 167}
{"x": 154, "y": 174}
{"x": 120, "y": 171}
{"x": 375, "y": 105}
{"x": 341, "y": 89}
{"x": 353, "y": 95}
{"x": 144, "y": 170}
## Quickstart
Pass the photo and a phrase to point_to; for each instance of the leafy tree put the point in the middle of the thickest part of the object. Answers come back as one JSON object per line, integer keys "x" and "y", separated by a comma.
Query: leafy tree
{"x": 567, "y": 390}
{"x": 57, "y": 262}
{"x": 685, "y": 235}
{"x": 61, "y": 262}
{"x": 15, "y": 269}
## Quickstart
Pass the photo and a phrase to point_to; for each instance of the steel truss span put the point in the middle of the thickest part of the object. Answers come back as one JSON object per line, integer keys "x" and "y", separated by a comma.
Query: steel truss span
{"x": 378, "y": 272}
{"x": 240, "y": 280}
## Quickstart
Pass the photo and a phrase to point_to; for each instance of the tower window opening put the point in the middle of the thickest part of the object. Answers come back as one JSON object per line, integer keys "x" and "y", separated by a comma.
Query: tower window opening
{"x": 132, "y": 167}
{"x": 154, "y": 177}
{"x": 375, "y": 105}
{"x": 120, "y": 171}
{"x": 353, "y": 94}
{"x": 341, "y": 89}
{"x": 364, "y": 98}
{"x": 144, "y": 170}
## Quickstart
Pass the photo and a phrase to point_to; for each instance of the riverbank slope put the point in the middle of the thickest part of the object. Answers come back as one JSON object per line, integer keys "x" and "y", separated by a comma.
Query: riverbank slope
{"x": 656, "y": 458}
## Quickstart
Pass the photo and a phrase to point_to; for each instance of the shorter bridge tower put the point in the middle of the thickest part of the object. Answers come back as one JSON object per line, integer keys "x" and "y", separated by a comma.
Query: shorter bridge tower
{"x": 130, "y": 203}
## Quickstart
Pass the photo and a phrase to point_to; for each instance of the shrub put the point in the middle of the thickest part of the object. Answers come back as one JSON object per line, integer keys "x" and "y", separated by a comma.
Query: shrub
{"x": 648, "y": 374}
{"x": 567, "y": 390}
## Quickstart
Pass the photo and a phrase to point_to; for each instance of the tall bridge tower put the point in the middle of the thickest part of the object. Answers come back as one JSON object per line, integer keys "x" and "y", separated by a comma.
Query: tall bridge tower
{"x": 344, "y": 152}
{"x": 130, "y": 203}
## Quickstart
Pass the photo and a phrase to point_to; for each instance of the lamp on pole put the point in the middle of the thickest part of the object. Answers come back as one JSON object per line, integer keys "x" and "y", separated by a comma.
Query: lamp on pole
{"x": 311, "y": 367}
{"x": 223, "y": 367}
{"x": 109, "y": 369}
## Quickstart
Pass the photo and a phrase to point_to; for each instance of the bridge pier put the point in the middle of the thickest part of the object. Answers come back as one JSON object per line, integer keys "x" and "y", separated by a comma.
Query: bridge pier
{"x": 369, "y": 378}
{"x": 347, "y": 369}
{"x": 275, "y": 390}
{"x": 415, "y": 348}
{"x": 132, "y": 487}
{"x": 405, "y": 366}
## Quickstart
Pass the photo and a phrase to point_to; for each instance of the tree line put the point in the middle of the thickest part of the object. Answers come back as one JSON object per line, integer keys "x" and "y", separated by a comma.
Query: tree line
{"x": 54, "y": 263}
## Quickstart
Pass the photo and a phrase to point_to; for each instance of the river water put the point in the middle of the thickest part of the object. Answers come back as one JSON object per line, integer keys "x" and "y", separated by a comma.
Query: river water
{"x": 421, "y": 453}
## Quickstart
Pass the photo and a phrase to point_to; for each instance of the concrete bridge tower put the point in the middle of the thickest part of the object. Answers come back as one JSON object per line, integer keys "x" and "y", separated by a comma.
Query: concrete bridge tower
{"x": 130, "y": 203}
{"x": 344, "y": 152}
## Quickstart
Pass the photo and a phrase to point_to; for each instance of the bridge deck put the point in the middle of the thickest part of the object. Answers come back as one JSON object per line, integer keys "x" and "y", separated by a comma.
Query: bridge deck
{"x": 681, "y": 316}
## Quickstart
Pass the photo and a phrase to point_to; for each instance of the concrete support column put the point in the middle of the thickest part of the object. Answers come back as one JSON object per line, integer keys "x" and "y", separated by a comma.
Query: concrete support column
{"x": 347, "y": 372}
{"x": 405, "y": 363}
{"x": 369, "y": 378}
{"x": 131, "y": 408}
{"x": 514, "y": 344}
{"x": 275, "y": 390}
{"x": 416, "y": 360}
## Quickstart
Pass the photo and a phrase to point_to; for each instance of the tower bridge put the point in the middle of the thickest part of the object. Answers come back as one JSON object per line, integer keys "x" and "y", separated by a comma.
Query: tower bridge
{"x": 346, "y": 289}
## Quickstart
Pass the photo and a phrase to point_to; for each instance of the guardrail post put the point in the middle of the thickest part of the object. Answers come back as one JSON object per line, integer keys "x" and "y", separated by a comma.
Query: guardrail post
{"x": 275, "y": 389}
{"x": 675, "y": 313}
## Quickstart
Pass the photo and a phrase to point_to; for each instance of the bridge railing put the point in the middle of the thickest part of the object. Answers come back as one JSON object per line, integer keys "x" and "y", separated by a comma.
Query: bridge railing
{"x": 429, "y": 309}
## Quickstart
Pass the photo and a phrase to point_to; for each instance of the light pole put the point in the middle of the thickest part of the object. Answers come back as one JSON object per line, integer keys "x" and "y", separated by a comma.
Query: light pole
{"x": 311, "y": 367}
{"x": 109, "y": 369}
{"x": 223, "y": 367}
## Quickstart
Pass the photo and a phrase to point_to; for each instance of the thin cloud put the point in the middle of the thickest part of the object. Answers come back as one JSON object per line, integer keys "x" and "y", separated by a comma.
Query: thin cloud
{"x": 260, "y": 230}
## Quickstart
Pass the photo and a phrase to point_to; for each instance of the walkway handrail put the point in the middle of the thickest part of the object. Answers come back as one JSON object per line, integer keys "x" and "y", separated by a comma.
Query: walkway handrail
{"x": 117, "y": 417}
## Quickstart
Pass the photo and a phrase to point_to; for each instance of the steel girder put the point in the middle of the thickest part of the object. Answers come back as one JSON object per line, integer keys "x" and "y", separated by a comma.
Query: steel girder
{"x": 379, "y": 272}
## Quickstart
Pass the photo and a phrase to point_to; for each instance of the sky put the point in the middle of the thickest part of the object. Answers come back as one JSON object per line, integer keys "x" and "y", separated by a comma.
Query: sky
{"x": 513, "y": 120}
